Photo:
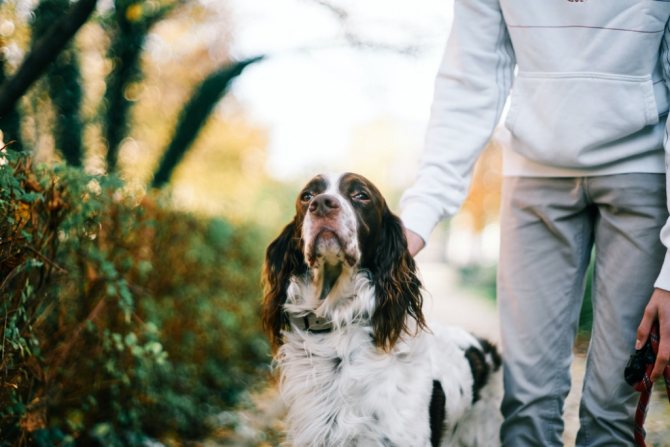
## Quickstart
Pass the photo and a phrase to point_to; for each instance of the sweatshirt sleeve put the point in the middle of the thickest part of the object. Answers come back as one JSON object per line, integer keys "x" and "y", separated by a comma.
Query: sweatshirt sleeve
{"x": 663, "y": 280}
{"x": 471, "y": 87}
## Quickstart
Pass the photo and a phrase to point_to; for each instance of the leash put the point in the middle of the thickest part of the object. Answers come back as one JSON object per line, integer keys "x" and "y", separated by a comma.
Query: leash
{"x": 638, "y": 375}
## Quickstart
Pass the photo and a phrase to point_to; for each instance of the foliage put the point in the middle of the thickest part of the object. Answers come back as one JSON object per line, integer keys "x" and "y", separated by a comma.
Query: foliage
{"x": 194, "y": 115}
{"x": 129, "y": 31}
{"x": 483, "y": 201}
{"x": 64, "y": 85}
{"x": 119, "y": 86}
{"x": 10, "y": 122}
{"x": 480, "y": 278}
{"x": 43, "y": 52}
{"x": 121, "y": 320}
{"x": 586, "y": 312}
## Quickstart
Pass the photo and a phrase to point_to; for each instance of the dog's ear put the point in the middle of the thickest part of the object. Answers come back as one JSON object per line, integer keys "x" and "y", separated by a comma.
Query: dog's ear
{"x": 283, "y": 259}
{"x": 397, "y": 286}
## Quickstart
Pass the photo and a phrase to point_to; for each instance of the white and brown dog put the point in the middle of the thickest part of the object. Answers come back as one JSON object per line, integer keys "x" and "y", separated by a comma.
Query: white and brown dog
{"x": 359, "y": 365}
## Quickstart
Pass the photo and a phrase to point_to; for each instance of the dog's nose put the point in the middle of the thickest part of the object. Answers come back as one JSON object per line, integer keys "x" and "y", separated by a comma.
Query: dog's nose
{"x": 324, "y": 205}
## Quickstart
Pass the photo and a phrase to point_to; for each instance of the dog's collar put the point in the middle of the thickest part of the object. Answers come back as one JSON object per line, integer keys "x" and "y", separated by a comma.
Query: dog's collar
{"x": 311, "y": 323}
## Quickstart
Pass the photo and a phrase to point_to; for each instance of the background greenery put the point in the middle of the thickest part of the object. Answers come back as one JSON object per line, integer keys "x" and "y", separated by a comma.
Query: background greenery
{"x": 122, "y": 319}
{"x": 133, "y": 223}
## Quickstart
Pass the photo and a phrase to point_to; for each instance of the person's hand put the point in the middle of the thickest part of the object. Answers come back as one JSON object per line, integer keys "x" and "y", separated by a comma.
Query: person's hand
{"x": 657, "y": 309}
{"x": 414, "y": 242}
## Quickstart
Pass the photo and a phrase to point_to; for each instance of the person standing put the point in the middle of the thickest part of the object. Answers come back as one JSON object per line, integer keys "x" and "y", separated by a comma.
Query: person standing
{"x": 585, "y": 168}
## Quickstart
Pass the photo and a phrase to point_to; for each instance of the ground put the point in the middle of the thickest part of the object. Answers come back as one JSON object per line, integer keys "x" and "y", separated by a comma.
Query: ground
{"x": 447, "y": 301}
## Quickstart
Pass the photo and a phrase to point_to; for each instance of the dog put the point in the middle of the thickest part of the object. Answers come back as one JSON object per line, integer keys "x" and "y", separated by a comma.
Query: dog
{"x": 359, "y": 365}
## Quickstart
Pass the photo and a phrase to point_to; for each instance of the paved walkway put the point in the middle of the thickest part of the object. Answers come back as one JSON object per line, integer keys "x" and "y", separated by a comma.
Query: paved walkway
{"x": 448, "y": 303}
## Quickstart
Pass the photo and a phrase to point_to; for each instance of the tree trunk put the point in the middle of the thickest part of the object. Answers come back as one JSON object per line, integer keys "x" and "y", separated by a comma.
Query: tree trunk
{"x": 45, "y": 51}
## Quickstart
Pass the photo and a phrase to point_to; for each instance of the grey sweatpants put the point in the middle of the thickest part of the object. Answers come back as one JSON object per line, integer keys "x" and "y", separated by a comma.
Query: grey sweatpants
{"x": 548, "y": 229}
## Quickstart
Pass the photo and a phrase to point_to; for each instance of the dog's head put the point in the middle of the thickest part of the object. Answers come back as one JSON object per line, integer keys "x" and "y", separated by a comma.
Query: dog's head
{"x": 343, "y": 223}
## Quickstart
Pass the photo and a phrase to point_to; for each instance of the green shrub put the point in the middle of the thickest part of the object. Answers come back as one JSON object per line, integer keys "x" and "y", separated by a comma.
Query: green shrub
{"x": 482, "y": 279}
{"x": 121, "y": 319}
{"x": 586, "y": 311}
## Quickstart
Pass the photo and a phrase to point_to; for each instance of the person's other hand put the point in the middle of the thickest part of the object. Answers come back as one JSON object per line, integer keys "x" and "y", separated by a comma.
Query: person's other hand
{"x": 415, "y": 243}
{"x": 657, "y": 309}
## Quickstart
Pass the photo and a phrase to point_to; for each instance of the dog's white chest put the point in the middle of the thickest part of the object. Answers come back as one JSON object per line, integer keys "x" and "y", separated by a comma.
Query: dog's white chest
{"x": 341, "y": 390}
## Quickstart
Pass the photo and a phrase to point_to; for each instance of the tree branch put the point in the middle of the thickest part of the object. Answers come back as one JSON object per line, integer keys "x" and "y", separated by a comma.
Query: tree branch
{"x": 194, "y": 115}
{"x": 45, "y": 51}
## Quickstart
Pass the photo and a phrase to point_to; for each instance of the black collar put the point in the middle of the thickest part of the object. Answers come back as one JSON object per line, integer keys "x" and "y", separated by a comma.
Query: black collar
{"x": 312, "y": 323}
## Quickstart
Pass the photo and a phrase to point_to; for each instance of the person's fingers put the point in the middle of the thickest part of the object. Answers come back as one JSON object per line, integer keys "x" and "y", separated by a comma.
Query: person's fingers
{"x": 645, "y": 325}
{"x": 663, "y": 355}
{"x": 661, "y": 359}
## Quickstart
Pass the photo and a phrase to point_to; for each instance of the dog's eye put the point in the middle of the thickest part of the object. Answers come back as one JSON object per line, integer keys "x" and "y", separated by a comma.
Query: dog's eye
{"x": 306, "y": 196}
{"x": 360, "y": 196}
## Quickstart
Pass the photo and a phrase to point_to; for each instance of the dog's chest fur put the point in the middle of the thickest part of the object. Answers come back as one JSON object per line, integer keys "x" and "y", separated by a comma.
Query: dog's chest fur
{"x": 341, "y": 389}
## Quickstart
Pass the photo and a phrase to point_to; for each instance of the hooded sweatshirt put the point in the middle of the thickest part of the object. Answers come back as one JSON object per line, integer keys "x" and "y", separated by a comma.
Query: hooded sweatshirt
{"x": 589, "y": 86}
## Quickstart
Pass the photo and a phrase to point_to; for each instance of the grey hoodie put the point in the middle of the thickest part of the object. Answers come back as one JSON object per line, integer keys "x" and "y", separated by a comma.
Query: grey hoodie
{"x": 590, "y": 97}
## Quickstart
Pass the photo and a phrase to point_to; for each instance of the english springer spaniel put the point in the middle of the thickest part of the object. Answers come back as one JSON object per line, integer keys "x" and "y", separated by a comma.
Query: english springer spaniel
{"x": 358, "y": 364}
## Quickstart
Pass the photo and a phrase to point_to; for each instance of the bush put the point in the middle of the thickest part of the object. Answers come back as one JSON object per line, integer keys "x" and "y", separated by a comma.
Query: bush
{"x": 121, "y": 319}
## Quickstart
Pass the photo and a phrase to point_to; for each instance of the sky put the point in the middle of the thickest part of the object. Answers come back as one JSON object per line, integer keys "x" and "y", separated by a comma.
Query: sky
{"x": 316, "y": 90}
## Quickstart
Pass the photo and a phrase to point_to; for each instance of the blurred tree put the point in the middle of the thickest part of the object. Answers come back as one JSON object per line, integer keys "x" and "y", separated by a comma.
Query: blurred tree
{"x": 483, "y": 201}
{"x": 229, "y": 179}
{"x": 10, "y": 121}
{"x": 194, "y": 115}
{"x": 139, "y": 65}
{"x": 356, "y": 37}
{"x": 64, "y": 85}
{"x": 45, "y": 50}
{"x": 130, "y": 25}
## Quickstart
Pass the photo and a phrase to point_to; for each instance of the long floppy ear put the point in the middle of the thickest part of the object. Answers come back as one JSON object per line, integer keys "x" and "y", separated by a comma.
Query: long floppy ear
{"x": 283, "y": 259}
{"x": 397, "y": 286}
